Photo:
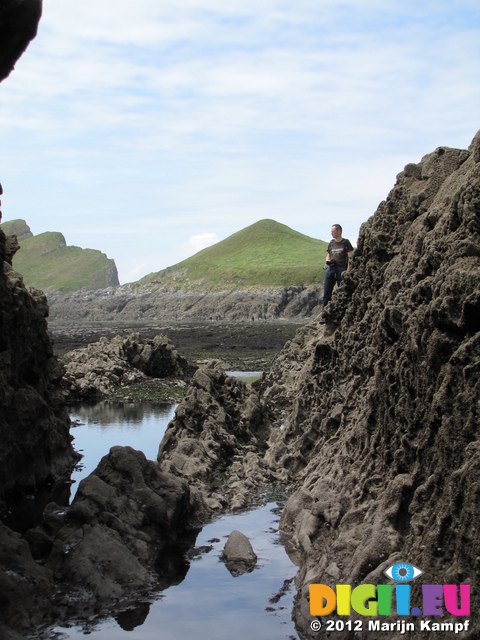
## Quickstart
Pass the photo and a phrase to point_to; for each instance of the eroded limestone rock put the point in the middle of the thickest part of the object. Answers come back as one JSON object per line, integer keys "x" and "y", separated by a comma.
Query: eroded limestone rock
{"x": 217, "y": 439}
{"x": 381, "y": 430}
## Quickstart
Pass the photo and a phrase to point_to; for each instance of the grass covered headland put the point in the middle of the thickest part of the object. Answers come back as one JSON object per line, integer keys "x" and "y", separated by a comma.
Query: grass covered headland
{"x": 265, "y": 254}
{"x": 47, "y": 263}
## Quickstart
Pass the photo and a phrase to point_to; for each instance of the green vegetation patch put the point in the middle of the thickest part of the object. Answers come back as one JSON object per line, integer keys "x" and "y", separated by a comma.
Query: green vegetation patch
{"x": 151, "y": 390}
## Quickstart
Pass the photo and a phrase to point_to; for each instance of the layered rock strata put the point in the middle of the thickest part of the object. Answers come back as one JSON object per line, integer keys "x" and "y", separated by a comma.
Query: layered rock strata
{"x": 124, "y": 305}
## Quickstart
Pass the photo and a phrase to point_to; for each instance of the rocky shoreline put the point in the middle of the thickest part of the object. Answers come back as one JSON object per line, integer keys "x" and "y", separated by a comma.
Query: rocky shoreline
{"x": 128, "y": 305}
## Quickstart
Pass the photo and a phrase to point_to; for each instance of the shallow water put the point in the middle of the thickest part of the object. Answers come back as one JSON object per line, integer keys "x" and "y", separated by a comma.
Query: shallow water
{"x": 209, "y": 603}
{"x": 97, "y": 428}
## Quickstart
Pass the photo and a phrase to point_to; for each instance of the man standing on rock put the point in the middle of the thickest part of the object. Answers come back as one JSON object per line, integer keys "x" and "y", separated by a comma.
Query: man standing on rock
{"x": 339, "y": 254}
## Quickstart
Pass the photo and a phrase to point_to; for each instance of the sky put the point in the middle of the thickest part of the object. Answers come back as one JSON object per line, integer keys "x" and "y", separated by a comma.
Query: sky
{"x": 150, "y": 130}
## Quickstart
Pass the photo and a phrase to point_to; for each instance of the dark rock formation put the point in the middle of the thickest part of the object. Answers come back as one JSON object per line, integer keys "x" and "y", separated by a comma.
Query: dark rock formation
{"x": 126, "y": 305}
{"x": 104, "y": 550}
{"x": 99, "y": 369}
{"x": 124, "y": 514}
{"x": 109, "y": 542}
{"x": 381, "y": 404}
{"x": 18, "y": 26}
{"x": 35, "y": 444}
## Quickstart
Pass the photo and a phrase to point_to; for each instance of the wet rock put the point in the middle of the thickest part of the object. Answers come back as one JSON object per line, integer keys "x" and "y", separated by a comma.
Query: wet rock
{"x": 238, "y": 554}
{"x": 122, "y": 515}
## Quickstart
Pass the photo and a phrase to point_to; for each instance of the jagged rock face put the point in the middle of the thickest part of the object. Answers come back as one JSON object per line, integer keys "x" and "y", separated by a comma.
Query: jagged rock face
{"x": 35, "y": 444}
{"x": 18, "y": 26}
{"x": 99, "y": 369}
{"x": 217, "y": 438}
{"x": 382, "y": 432}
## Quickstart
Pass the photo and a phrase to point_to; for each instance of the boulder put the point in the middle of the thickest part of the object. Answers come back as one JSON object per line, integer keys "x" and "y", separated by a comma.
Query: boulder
{"x": 238, "y": 554}
{"x": 122, "y": 517}
{"x": 124, "y": 534}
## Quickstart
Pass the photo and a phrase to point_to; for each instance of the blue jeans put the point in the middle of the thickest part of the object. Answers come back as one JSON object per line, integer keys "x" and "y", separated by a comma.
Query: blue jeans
{"x": 333, "y": 275}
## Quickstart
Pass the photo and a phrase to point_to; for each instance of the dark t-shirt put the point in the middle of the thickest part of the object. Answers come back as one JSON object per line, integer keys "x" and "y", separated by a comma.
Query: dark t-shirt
{"x": 339, "y": 251}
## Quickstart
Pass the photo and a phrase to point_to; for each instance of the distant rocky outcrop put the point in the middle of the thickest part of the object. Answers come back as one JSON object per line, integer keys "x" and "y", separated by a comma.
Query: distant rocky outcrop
{"x": 96, "y": 371}
{"x": 128, "y": 306}
{"x": 18, "y": 228}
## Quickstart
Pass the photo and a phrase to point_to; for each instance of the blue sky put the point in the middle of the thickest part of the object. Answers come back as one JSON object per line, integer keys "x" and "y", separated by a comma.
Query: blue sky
{"x": 149, "y": 130}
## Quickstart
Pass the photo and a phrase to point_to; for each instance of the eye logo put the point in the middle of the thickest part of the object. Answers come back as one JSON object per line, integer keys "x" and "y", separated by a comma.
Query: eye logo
{"x": 402, "y": 572}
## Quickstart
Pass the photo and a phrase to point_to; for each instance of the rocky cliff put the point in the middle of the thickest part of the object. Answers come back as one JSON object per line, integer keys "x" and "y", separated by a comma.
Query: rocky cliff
{"x": 370, "y": 421}
{"x": 381, "y": 432}
{"x": 46, "y": 262}
{"x": 35, "y": 444}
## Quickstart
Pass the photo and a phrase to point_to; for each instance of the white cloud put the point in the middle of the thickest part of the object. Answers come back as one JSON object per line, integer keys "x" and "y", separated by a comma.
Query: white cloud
{"x": 196, "y": 243}
{"x": 134, "y": 127}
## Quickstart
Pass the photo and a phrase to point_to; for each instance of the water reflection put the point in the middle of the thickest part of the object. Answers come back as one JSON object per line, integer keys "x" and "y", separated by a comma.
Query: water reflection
{"x": 106, "y": 413}
{"x": 197, "y": 597}
{"x": 207, "y": 601}
{"x": 96, "y": 428}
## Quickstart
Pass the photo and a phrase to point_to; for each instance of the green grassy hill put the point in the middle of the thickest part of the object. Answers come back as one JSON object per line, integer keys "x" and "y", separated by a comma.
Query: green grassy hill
{"x": 47, "y": 263}
{"x": 264, "y": 255}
